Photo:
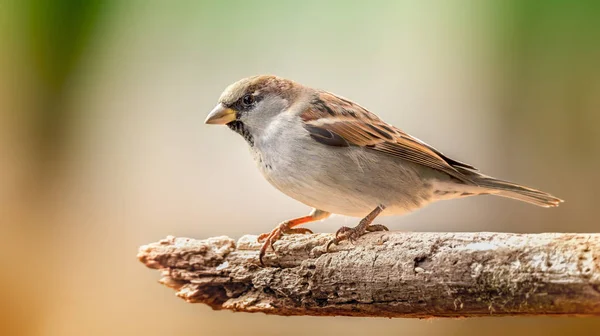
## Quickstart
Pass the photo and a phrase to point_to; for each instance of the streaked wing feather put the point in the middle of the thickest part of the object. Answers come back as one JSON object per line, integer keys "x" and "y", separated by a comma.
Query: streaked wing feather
{"x": 359, "y": 127}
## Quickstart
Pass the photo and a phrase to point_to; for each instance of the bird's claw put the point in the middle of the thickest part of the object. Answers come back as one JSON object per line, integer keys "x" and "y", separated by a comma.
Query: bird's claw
{"x": 352, "y": 234}
{"x": 377, "y": 227}
{"x": 273, "y": 236}
{"x": 343, "y": 233}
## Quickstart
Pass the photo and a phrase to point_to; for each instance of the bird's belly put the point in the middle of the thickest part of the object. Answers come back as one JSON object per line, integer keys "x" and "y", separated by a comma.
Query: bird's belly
{"x": 349, "y": 181}
{"x": 351, "y": 201}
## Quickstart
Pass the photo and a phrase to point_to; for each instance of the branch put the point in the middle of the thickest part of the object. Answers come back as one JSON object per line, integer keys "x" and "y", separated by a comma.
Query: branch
{"x": 388, "y": 274}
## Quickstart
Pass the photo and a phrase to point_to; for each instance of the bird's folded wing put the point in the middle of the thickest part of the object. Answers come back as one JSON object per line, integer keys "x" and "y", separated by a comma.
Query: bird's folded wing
{"x": 335, "y": 121}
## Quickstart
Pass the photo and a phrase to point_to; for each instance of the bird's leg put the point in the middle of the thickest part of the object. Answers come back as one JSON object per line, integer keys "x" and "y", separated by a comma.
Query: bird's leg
{"x": 287, "y": 227}
{"x": 346, "y": 233}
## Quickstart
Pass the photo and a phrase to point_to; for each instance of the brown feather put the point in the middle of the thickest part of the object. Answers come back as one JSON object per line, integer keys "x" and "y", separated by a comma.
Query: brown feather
{"x": 360, "y": 127}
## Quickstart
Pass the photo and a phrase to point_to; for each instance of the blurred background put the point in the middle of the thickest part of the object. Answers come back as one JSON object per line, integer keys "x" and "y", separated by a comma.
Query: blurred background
{"x": 103, "y": 146}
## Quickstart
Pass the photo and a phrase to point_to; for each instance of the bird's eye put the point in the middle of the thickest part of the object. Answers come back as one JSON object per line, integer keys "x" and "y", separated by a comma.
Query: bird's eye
{"x": 248, "y": 100}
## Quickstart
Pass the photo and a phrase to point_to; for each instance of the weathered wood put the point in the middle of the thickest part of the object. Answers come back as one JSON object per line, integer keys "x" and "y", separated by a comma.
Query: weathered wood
{"x": 390, "y": 274}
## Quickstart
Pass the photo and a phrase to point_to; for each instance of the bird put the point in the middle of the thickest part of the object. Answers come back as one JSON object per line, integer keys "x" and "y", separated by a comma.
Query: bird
{"x": 337, "y": 157}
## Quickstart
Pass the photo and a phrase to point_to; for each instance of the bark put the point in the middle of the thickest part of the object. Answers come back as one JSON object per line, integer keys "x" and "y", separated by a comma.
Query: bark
{"x": 388, "y": 274}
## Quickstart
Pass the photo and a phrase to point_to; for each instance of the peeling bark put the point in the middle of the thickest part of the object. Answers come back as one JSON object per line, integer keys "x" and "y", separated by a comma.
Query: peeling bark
{"x": 388, "y": 274}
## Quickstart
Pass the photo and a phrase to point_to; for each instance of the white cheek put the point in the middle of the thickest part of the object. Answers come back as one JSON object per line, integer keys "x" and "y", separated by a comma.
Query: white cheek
{"x": 271, "y": 106}
{"x": 261, "y": 116}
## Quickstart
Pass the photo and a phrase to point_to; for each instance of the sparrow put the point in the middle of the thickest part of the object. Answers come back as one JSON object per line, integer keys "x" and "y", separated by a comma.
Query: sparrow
{"x": 338, "y": 158}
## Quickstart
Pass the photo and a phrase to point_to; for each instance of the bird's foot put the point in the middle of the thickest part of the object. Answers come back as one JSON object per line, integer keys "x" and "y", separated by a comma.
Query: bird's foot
{"x": 270, "y": 238}
{"x": 352, "y": 234}
{"x": 377, "y": 227}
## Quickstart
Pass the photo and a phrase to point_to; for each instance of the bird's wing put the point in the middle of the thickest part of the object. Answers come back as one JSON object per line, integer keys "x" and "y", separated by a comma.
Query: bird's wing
{"x": 336, "y": 121}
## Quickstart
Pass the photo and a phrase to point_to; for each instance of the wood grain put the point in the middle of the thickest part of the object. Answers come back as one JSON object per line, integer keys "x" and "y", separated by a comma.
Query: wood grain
{"x": 388, "y": 274}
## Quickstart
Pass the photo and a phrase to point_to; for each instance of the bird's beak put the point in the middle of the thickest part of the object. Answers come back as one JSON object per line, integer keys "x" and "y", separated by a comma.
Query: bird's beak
{"x": 220, "y": 115}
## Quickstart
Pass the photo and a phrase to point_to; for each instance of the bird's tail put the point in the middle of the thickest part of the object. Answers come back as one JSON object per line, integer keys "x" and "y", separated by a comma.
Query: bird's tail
{"x": 512, "y": 190}
{"x": 519, "y": 192}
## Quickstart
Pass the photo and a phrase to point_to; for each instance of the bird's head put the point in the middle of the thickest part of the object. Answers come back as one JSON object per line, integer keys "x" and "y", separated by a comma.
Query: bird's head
{"x": 249, "y": 105}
